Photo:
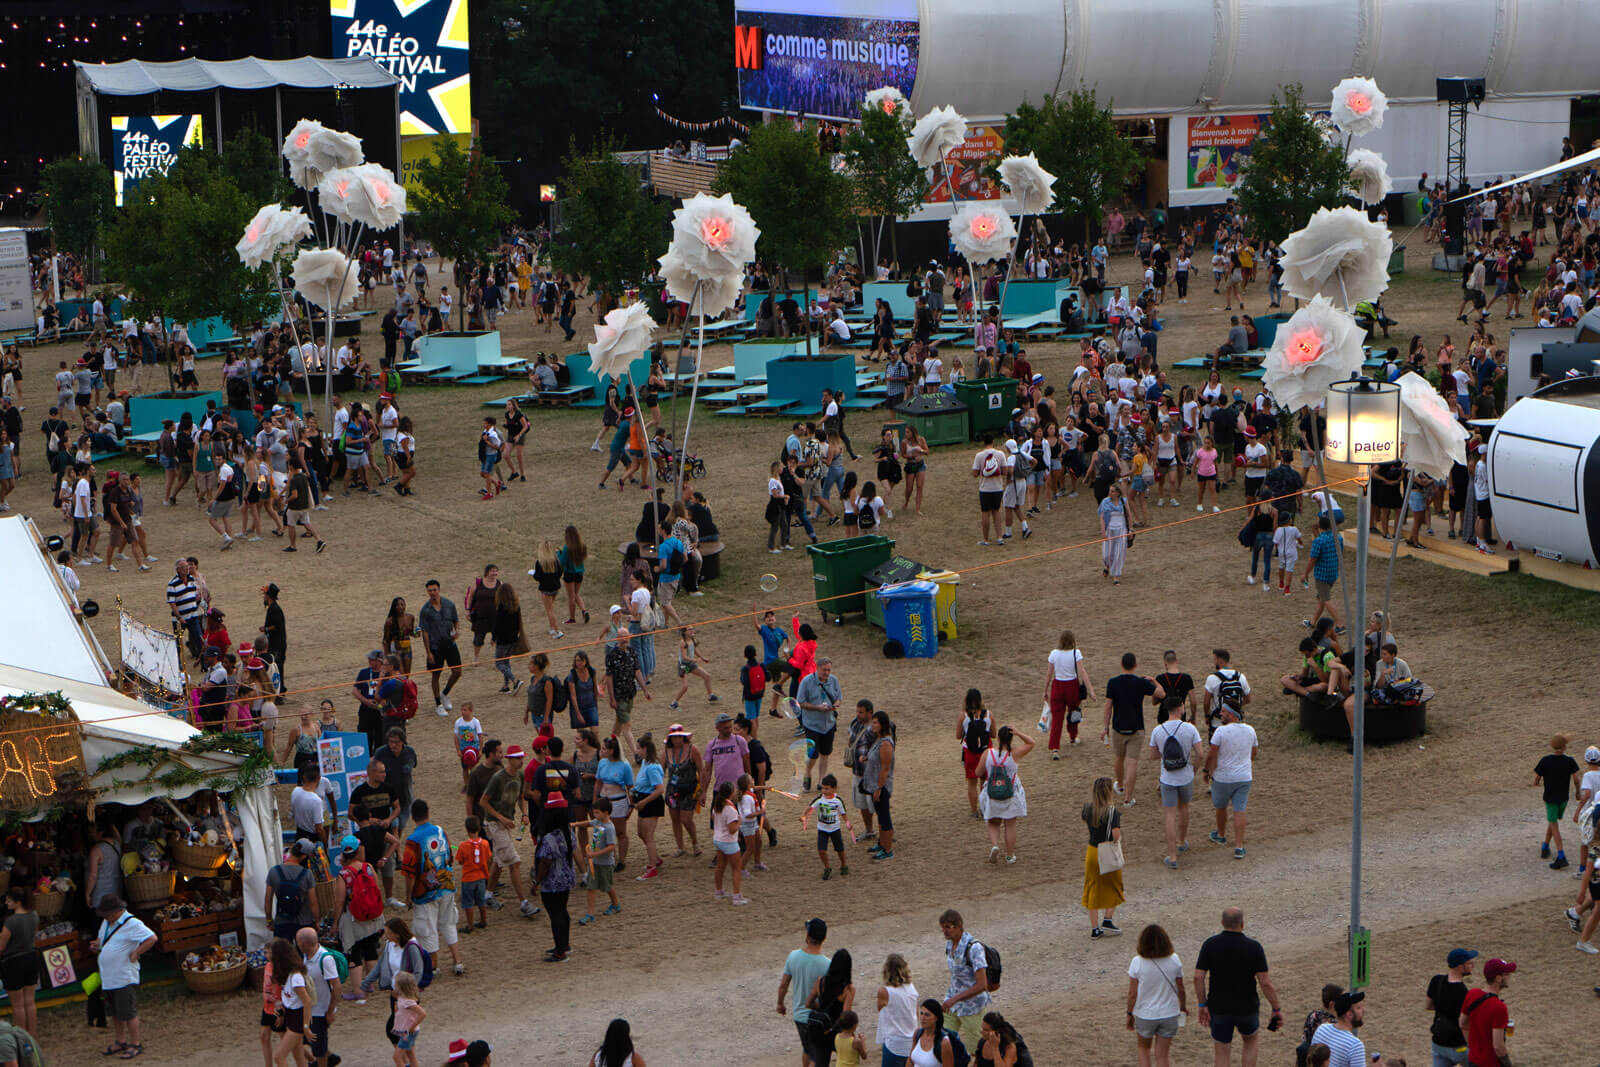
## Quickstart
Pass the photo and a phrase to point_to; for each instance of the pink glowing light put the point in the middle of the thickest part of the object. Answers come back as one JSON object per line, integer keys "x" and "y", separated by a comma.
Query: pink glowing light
{"x": 381, "y": 191}
{"x": 888, "y": 105}
{"x": 1305, "y": 346}
{"x": 1358, "y": 102}
{"x": 303, "y": 139}
{"x": 716, "y": 232}
{"x": 983, "y": 227}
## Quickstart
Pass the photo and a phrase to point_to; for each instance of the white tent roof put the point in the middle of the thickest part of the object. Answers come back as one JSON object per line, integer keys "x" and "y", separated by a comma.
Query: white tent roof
{"x": 41, "y": 632}
{"x": 135, "y": 77}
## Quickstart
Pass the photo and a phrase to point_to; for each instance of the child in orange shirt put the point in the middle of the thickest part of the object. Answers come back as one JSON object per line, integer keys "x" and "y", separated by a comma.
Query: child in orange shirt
{"x": 472, "y": 859}
{"x": 271, "y": 1021}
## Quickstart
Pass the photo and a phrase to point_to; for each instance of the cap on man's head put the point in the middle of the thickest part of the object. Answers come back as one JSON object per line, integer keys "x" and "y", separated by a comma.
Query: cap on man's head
{"x": 375, "y": 654}
{"x": 816, "y": 931}
{"x": 458, "y": 1050}
{"x": 305, "y": 847}
{"x": 271, "y": 590}
{"x": 1591, "y": 754}
{"x": 1458, "y": 956}
{"x": 540, "y": 743}
{"x": 723, "y": 717}
{"x": 614, "y": 609}
{"x": 515, "y": 752}
{"x": 1497, "y": 967}
{"x": 1345, "y": 1001}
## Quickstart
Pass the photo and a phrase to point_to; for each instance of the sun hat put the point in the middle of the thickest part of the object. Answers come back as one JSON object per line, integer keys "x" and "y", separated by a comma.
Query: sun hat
{"x": 677, "y": 729}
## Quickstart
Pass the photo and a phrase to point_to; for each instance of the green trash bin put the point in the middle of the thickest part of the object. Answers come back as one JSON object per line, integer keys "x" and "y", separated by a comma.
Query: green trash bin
{"x": 989, "y": 402}
{"x": 939, "y": 417}
{"x": 898, "y": 569}
{"x": 837, "y": 568}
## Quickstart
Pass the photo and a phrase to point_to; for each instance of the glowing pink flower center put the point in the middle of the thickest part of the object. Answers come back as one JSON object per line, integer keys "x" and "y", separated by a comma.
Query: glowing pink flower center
{"x": 605, "y": 334}
{"x": 253, "y": 234}
{"x": 303, "y": 139}
{"x": 341, "y": 187}
{"x": 715, "y": 231}
{"x": 1358, "y": 102}
{"x": 1305, "y": 346}
{"x": 380, "y": 190}
{"x": 888, "y": 105}
{"x": 983, "y": 227}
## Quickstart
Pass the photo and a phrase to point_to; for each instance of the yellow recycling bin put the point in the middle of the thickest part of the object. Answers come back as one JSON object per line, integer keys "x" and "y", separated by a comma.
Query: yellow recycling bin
{"x": 944, "y": 601}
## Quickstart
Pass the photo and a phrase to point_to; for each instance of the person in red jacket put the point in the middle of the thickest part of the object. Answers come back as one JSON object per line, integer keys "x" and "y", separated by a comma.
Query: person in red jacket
{"x": 1484, "y": 1018}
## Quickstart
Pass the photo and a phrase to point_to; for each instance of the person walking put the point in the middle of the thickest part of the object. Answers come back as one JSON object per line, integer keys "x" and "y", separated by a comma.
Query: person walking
{"x": 1229, "y": 770}
{"x": 877, "y": 781}
{"x": 509, "y": 637}
{"x": 1323, "y": 565}
{"x": 1446, "y": 994}
{"x": 897, "y": 1011}
{"x": 1115, "y": 533}
{"x": 322, "y": 975}
{"x": 819, "y": 696}
{"x": 989, "y": 467}
{"x": 1003, "y": 800}
{"x": 1124, "y": 722}
{"x": 440, "y": 626}
{"x": 968, "y": 996}
{"x": 801, "y": 970}
{"x": 1175, "y": 747}
{"x": 430, "y": 882}
{"x": 556, "y": 876}
{"x": 1102, "y": 890}
{"x": 1227, "y": 972}
{"x": 1156, "y": 1001}
{"x": 975, "y": 733}
{"x": 1067, "y": 688}
{"x": 1484, "y": 1016}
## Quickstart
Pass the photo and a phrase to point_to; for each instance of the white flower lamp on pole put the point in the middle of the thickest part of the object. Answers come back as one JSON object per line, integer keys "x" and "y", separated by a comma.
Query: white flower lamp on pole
{"x": 1364, "y": 430}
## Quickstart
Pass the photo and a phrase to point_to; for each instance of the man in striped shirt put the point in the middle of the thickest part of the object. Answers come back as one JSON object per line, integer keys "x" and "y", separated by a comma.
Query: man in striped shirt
{"x": 1345, "y": 1047}
{"x": 183, "y": 597}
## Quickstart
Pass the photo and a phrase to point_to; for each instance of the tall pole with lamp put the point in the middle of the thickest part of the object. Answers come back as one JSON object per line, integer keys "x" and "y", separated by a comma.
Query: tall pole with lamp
{"x": 1363, "y": 430}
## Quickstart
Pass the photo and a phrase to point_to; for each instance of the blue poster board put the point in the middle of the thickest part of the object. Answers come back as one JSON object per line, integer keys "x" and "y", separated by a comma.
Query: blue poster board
{"x": 343, "y": 759}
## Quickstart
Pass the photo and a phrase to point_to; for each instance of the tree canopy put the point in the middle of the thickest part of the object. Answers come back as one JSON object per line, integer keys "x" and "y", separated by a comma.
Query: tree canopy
{"x": 1079, "y": 142}
{"x": 1292, "y": 170}
{"x": 889, "y": 184}
{"x": 459, "y": 204}
{"x": 611, "y": 229}
{"x": 79, "y": 199}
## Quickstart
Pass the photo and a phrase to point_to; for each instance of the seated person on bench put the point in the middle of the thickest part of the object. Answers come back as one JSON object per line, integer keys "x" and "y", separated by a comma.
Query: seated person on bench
{"x": 1320, "y": 671}
{"x": 80, "y": 321}
{"x": 838, "y": 331}
{"x": 1370, "y": 313}
{"x": 1391, "y": 668}
{"x": 543, "y": 376}
{"x": 1238, "y": 340}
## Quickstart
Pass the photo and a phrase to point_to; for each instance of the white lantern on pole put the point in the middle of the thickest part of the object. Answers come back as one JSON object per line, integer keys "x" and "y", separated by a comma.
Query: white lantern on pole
{"x": 1363, "y": 422}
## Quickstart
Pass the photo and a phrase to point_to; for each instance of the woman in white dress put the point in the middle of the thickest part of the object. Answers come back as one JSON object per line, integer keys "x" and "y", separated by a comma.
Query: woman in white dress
{"x": 1003, "y": 800}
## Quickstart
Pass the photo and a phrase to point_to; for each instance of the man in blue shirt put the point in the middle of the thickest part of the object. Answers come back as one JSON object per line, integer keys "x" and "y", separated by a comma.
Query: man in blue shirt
{"x": 671, "y": 555}
{"x": 1323, "y": 565}
{"x": 819, "y": 697}
{"x": 369, "y": 713}
{"x": 772, "y": 638}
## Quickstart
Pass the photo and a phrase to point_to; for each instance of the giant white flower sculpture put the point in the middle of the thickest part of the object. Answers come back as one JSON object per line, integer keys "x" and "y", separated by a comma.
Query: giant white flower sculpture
{"x": 1030, "y": 184}
{"x": 1358, "y": 106}
{"x": 326, "y": 278}
{"x": 272, "y": 230}
{"x": 1434, "y": 441}
{"x": 367, "y": 194}
{"x": 890, "y": 101}
{"x": 1340, "y": 254}
{"x": 935, "y": 134}
{"x": 712, "y": 239}
{"x": 1319, "y": 345}
{"x": 312, "y": 150}
{"x": 982, "y": 232}
{"x": 620, "y": 339}
{"x": 1369, "y": 175}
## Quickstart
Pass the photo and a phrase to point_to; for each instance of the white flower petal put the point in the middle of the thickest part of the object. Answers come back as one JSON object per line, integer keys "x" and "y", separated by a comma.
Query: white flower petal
{"x": 272, "y": 230}
{"x": 326, "y": 278}
{"x": 1319, "y": 345}
{"x": 367, "y": 194}
{"x": 620, "y": 339}
{"x": 935, "y": 134}
{"x": 1358, "y": 106}
{"x": 1339, "y": 254}
{"x": 1031, "y": 184}
{"x": 712, "y": 239}
{"x": 1369, "y": 175}
{"x": 1434, "y": 441}
{"x": 982, "y": 231}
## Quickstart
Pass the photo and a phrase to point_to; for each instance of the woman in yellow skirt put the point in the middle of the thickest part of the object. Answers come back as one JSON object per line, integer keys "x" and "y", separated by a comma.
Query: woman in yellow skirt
{"x": 1101, "y": 892}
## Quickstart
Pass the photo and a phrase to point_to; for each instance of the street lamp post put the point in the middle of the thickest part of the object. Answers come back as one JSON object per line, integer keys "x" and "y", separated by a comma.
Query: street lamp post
{"x": 1363, "y": 430}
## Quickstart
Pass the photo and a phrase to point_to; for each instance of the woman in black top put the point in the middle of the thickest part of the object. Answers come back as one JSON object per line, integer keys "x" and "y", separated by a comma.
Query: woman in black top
{"x": 831, "y": 996}
{"x": 517, "y": 427}
{"x": 19, "y": 960}
{"x": 922, "y": 323}
{"x": 882, "y": 331}
{"x": 1000, "y": 1045}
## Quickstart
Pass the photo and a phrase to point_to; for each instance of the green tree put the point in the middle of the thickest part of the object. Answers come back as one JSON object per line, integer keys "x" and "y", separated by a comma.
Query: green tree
{"x": 172, "y": 247}
{"x": 256, "y": 167}
{"x": 888, "y": 182}
{"x": 459, "y": 203}
{"x": 1292, "y": 170}
{"x": 1079, "y": 142}
{"x": 611, "y": 229}
{"x": 79, "y": 199}
{"x": 804, "y": 207}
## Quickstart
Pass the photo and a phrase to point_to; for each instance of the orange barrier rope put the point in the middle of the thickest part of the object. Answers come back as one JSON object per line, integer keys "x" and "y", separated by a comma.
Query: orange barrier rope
{"x": 793, "y": 607}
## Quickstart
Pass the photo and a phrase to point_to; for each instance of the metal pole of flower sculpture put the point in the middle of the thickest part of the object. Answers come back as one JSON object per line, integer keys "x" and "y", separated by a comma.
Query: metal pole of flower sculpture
{"x": 712, "y": 239}
{"x": 1034, "y": 189}
{"x": 1433, "y": 442}
{"x": 361, "y": 197}
{"x": 982, "y": 232}
{"x": 272, "y": 231}
{"x": 931, "y": 139}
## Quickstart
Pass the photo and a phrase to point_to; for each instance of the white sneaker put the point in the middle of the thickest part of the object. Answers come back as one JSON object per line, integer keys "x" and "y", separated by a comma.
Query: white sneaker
{"x": 1264, "y": 585}
{"x": 1174, "y": 501}
{"x": 449, "y": 705}
{"x": 112, "y": 567}
{"x": 97, "y": 559}
{"x": 1249, "y": 579}
{"x": 1584, "y": 946}
{"x": 438, "y": 709}
{"x": 1199, "y": 507}
{"x": 1215, "y": 508}
{"x": 152, "y": 559}
{"x": 395, "y": 903}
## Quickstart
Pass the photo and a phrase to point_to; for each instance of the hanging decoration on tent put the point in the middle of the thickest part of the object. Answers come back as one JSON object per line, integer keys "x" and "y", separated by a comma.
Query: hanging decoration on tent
{"x": 325, "y": 277}
{"x": 620, "y": 339}
{"x": 712, "y": 240}
{"x": 890, "y": 101}
{"x": 1434, "y": 440}
{"x": 1031, "y": 185}
{"x": 271, "y": 231}
{"x": 982, "y": 232}
{"x": 1339, "y": 254}
{"x": 1369, "y": 175}
{"x": 41, "y": 751}
{"x": 935, "y": 134}
{"x": 1319, "y": 345}
{"x": 1358, "y": 106}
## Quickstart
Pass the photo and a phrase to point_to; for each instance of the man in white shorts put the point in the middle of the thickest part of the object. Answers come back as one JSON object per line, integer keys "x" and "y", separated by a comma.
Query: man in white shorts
{"x": 1177, "y": 779}
{"x": 1229, "y": 770}
{"x": 430, "y": 886}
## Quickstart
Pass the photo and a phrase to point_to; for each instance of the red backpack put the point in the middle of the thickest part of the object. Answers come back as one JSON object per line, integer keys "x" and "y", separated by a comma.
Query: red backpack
{"x": 408, "y": 700}
{"x": 366, "y": 900}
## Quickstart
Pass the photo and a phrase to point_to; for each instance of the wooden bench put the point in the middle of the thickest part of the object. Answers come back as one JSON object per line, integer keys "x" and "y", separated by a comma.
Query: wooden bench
{"x": 417, "y": 373}
{"x": 559, "y": 397}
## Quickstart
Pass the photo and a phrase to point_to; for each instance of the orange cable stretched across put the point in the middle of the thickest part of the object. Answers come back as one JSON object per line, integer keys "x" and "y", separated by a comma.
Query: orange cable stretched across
{"x": 795, "y": 606}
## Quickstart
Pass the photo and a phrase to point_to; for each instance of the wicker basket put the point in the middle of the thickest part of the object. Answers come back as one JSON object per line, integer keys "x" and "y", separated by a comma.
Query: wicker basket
{"x": 223, "y": 981}
{"x": 149, "y": 889}
{"x": 50, "y": 905}
{"x": 199, "y": 861}
{"x": 327, "y": 896}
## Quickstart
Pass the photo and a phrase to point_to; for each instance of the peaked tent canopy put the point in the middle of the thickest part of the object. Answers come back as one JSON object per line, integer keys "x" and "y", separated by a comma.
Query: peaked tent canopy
{"x": 135, "y": 77}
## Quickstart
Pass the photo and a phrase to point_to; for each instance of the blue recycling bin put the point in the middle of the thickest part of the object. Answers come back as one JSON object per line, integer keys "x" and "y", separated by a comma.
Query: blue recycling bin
{"x": 909, "y": 617}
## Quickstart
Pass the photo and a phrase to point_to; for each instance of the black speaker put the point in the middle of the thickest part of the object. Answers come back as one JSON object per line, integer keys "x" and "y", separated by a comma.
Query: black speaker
{"x": 1459, "y": 90}
{"x": 1455, "y": 226}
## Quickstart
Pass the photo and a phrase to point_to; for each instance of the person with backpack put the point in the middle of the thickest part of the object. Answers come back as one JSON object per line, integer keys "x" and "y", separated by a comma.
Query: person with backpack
{"x": 687, "y": 784}
{"x": 832, "y": 994}
{"x": 934, "y": 1045}
{"x": 291, "y": 900}
{"x": 974, "y": 970}
{"x": 1003, "y": 801}
{"x": 18, "y": 1047}
{"x": 1176, "y": 744}
{"x": 1225, "y": 687}
{"x": 326, "y": 971}
{"x": 430, "y": 885}
{"x": 1484, "y": 1017}
{"x": 357, "y": 912}
{"x": 975, "y": 732}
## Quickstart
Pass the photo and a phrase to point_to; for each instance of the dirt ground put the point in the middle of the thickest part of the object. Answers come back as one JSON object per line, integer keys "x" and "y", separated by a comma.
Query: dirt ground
{"x": 1451, "y": 824}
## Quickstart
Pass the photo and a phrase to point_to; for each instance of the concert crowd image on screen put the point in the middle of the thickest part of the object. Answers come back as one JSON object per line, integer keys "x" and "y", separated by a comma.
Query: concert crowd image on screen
{"x": 820, "y": 65}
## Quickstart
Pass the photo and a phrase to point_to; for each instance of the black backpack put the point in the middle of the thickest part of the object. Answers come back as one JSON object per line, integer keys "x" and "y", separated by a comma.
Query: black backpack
{"x": 1230, "y": 691}
{"x": 977, "y": 734}
{"x": 675, "y": 561}
{"x": 992, "y": 965}
{"x": 558, "y": 695}
{"x": 1174, "y": 757}
{"x": 290, "y": 894}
